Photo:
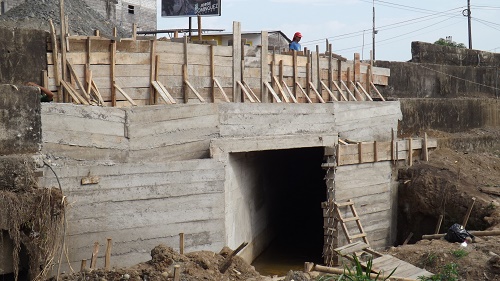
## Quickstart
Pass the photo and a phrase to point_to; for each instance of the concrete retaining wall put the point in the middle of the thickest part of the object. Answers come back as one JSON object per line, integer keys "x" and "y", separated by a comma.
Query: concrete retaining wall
{"x": 142, "y": 205}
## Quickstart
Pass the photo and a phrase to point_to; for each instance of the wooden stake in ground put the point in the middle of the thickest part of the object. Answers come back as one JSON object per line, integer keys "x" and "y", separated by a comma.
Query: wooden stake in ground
{"x": 466, "y": 218}
{"x": 438, "y": 225}
{"x": 181, "y": 243}
{"x": 93, "y": 260}
{"x": 107, "y": 259}
{"x": 227, "y": 262}
{"x": 177, "y": 272}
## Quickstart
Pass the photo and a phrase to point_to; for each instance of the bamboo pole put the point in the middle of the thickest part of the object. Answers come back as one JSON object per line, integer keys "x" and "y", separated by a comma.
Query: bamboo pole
{"x": 438, "y": 225}
{"x": 475, "y": 233}
{"x": 333, "y": 270}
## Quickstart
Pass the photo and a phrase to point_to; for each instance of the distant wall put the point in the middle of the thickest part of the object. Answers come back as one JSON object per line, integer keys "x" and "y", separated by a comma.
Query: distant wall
{"x": 440, "y": 114}
{"x": 426, "y": 80}
{"x": 423, "y": 52}
{"x": 22, "y": 55}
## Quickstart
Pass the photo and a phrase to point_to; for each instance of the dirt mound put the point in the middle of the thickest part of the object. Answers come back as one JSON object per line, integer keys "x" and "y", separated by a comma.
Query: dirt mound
{"x": 35, "y": 14}
{"x": 201, "y": 265}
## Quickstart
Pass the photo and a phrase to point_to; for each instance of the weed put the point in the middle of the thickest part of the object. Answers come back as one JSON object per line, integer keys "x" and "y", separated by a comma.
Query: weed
{"x": 430, "y": 259}
{"x": 460, "y": 253}
{"x": 360, "y": 274}
{"x": 448, "y": 273}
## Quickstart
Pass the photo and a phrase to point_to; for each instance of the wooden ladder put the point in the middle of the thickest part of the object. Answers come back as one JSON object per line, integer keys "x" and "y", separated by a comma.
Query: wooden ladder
{"x": 354, "y": 218}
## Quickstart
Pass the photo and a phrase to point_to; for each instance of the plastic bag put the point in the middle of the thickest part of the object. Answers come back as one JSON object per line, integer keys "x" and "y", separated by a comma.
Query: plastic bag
{"x": 457, "y": 233}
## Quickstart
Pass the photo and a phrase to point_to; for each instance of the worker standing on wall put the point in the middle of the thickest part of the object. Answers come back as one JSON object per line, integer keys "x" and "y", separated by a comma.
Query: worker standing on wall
{"x": 45, "y": 94}
{"x": 295, "y": 45}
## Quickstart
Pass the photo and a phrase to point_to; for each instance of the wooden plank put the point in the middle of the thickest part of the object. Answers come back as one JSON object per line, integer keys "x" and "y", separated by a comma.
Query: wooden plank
{"x": 316, "y": 92}
{"x": 264, "y": 65}
{"x": 289, "y": 92}
{"x": 339, "y": 90}
{"x": 73, "y": 93}
{"x": 125, "y": 95}
{"x": 194, "y": 91}
{"x": 425, "y": 152}
{"x": 351, "y": 248}
{"x": 166, "y": 92}
{"x": 237, "y": 53}
{"x": 212, "y": 73}
{"x": 160, "y": 91}
{"x": 364, "y": 91}
{"x": 79, "y": 83}
{"x": 494, "y": 190}
{"x": 347, "y": 90}
{"x": 251, "y": 92}
{"x": 303, "y": 92}
{"x": 376, "y": 91}
{"x": 329, "y": 92}
{"x": 221, "y": 90}
{"x": 112, "y": 58}
{"x": 97, "y": 92}
{"x": 152, "y": 64}
{"x": 282, "y": 92}
{"x": 247, "y": 94}
{"x": 273, "y": 93}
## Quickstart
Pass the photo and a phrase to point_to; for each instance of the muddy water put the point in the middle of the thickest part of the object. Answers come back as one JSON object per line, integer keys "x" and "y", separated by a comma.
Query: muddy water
{"x": 285, "y": 255}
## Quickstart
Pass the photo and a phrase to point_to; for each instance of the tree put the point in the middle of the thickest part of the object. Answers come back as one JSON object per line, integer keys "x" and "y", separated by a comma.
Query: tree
{"x": 449, "y": 43}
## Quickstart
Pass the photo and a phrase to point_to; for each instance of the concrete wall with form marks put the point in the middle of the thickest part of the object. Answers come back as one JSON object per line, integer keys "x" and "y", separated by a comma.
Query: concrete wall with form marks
{"x": 142, "y": 175}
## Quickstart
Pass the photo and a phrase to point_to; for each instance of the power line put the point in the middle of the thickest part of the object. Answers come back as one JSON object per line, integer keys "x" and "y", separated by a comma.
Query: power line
{"x": 386, "y": 27}
{"x": 459, "y": 78}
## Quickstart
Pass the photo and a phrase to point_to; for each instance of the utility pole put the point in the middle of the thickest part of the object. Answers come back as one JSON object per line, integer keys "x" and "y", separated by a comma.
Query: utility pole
{"x": 469, "y": 21}
{"x": 373, "y": 32}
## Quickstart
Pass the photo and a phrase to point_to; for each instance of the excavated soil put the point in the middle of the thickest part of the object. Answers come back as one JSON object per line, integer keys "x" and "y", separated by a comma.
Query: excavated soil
{"x": 82, "y": 20}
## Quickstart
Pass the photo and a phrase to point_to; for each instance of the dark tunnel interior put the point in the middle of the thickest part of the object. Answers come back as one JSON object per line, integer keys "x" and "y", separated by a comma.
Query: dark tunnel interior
{"x": 298, "y": 181}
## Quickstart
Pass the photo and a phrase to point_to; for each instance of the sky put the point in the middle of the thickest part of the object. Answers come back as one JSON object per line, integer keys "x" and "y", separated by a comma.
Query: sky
{"x": 348, "y": 24}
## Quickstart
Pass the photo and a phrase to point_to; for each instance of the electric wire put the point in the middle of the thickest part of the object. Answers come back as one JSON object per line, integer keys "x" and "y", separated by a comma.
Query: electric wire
{"x": 459, "y": 78}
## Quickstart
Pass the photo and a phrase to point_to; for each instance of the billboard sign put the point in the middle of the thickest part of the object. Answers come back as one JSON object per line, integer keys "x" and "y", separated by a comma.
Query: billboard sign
{"x": 190, "y": 8}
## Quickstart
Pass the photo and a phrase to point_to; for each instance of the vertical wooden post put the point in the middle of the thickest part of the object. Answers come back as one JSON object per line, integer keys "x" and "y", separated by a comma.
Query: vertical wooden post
{"x": 308, "y": 74}
{"x": 200, "y": 37}
{"x": 348, "y": 79}
{"x": 375, "y": 152}
{"x": 112, "y": 70}
{"x": 392, "y": 147}
{"x": 55, "y": 61}
{"x": 338, "y": 154}
{"x": 273, "y": 72}
{"x": 181, "y": 243}
{"x": 357, "y": 74}
{"x": 64, "y": 75}
{"x": 87, "y": 65}
{"x": 318, "y": 73}
{"x": 264, "y": 66}
{"x": 152, "y": 64}
{"x": 94, "y": 255}
{"x": 242, "y": 76}
{"x": 236, "y": 60}
{"x": 425, "y": 152}
{"x": 330, "y": 67}
{"x": 83, "y": 265}
{"x": 295, "y": 74}
{"x": 185, "y": 75}
{"x": 107, "y": 258}
{"x": 368, "y": 88}
{"x": 177, "y": 273}
{"x": 212, "y": 72}
{"x": 157, "y": 75}
{"x": 410, "y": 153}
{"x": 134, "y": 31}
{"x": 360, "y": 153}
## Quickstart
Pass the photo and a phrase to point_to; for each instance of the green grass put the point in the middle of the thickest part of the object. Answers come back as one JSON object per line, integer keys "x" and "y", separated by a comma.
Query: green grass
{"x": 460, "y": 253}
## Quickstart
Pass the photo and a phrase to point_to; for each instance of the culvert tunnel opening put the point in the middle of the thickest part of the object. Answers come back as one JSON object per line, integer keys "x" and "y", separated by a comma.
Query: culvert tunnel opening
{"x": 284, "y": 190}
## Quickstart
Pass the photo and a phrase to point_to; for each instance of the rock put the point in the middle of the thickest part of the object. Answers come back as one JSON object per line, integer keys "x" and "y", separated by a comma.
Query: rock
{"x": 296, "y": 276}
{"x": 494, "y": 263}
